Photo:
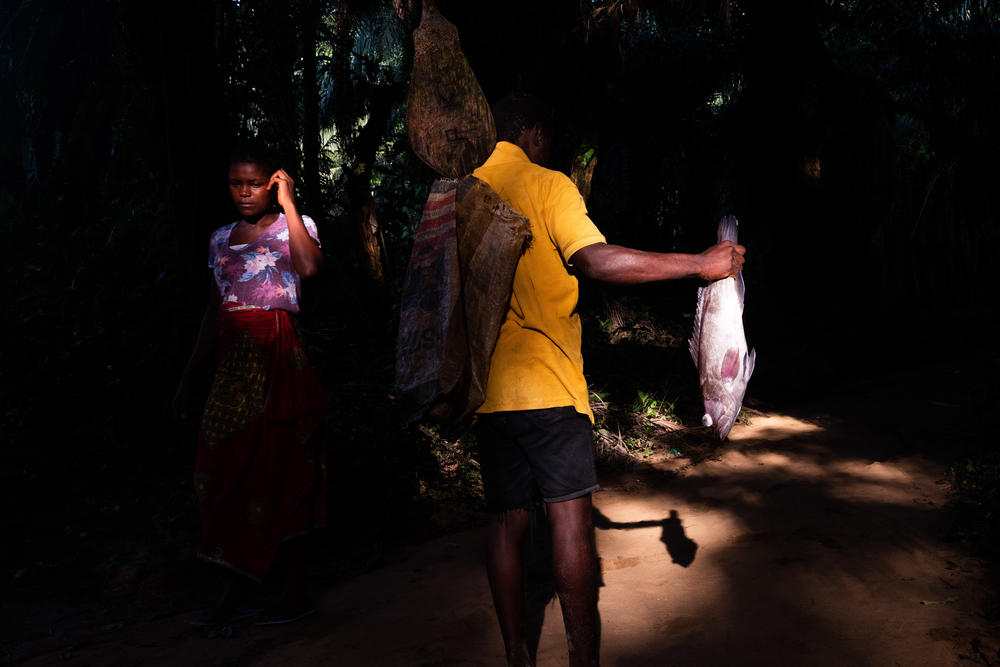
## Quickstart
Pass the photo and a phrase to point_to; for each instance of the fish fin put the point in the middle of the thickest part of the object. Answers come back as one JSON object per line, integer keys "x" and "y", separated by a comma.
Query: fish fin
{"x": 731, "y": 364}
{"x": 727, "y": 229}
{"x": 741, "y": 289}
{"x": 694, "y": 344}
{"x": 748, "y": 364}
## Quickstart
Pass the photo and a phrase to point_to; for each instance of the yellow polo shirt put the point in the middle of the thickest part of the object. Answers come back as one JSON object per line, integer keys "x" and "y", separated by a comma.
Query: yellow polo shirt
{"x": 537, "y": 362}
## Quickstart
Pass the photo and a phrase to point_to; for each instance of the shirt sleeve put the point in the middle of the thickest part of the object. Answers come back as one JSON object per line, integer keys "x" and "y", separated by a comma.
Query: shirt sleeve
{"x": 312, "y": 229}
{"x": 570, "y": 226}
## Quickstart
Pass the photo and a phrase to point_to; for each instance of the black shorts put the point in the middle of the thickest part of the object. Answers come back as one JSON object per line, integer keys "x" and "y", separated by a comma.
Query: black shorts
{"x": 527, "y": 455}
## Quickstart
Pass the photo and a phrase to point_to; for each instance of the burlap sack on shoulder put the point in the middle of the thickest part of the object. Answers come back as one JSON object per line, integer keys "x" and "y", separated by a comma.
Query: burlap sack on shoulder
{"x": 455, "y": 298}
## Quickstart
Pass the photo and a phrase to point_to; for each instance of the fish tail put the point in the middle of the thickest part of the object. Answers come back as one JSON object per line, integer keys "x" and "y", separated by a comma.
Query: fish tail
{"x": 727, "y": 229}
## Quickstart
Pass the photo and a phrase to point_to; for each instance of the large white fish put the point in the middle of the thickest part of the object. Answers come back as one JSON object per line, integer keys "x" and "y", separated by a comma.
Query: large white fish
{"x": 719, "y": 346}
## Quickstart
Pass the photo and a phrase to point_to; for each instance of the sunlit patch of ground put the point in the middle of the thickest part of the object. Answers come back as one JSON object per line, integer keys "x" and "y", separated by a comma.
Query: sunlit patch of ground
{"x": 808, "y": 552}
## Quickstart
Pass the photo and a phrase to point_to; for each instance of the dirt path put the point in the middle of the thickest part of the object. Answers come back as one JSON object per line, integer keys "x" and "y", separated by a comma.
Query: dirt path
{"x": 805, "y": 540}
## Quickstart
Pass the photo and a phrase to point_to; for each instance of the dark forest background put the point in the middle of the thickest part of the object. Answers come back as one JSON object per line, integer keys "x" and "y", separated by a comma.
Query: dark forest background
{"x": 855, "y": 141}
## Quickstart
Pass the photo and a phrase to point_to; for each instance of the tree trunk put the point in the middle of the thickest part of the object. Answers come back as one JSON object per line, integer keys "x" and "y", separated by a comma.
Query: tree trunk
{"x": 310, "y": 105}
{"x": 370, "y": 240}
{"x": 361, "y": 149}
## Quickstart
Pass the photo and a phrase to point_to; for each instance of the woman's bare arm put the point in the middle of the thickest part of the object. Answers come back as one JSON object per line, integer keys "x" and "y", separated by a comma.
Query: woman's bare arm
{"x": 306, "y": 253}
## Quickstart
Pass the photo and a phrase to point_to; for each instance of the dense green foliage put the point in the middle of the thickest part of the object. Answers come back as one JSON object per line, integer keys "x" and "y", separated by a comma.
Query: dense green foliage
{"x": 854, "y": 140}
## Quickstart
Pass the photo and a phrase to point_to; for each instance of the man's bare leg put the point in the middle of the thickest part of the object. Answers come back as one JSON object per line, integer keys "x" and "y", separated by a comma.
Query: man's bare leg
{"x": 505, "y": 567}
{"x": 574, "y": 565}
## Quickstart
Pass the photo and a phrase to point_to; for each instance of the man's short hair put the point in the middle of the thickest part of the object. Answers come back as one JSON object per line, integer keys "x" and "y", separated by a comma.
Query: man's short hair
{"x": 520, "y": 111}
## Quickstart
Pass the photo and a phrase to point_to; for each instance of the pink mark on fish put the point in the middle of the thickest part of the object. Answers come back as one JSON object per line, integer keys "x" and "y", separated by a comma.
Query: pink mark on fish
{"x": 731, "y": 364}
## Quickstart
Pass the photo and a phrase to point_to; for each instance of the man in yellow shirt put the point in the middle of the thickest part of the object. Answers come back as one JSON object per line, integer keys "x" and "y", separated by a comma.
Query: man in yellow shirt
{"x": 535, "y": 426}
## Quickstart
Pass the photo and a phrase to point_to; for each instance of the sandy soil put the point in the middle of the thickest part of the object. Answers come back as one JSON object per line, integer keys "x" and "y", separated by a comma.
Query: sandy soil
{"x": 807, "y": 539}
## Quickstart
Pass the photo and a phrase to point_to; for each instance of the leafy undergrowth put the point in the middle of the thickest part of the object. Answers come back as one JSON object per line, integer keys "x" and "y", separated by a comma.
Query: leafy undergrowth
{"x": 644, "y": 387}
{"x": 975, "y": 468}
{"x": 450, "y": 489}
{"x": 976, "y": 484}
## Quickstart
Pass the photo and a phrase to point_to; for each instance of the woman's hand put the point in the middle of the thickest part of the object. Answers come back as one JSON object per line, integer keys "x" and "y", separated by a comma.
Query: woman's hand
{"x": 285, "y": 189}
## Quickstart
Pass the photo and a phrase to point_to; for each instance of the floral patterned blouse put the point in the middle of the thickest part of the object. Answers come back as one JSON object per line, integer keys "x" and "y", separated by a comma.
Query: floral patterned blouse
{"x": 258, "y": 274}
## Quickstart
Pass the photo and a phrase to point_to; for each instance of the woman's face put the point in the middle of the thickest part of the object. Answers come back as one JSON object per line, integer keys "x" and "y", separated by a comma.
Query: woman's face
{"x": 248, "y": 188}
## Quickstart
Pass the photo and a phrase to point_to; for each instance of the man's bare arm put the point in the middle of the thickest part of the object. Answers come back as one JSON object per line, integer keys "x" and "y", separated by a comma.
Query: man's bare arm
{"x": 627, "y": 266}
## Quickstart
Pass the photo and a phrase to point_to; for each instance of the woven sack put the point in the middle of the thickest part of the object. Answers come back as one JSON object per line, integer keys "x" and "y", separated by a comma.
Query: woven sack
{"x": 455, "y": 297}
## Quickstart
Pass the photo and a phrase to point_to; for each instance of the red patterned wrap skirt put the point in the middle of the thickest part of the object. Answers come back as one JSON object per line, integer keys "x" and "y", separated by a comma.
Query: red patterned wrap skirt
{"x": 260, "y": 474}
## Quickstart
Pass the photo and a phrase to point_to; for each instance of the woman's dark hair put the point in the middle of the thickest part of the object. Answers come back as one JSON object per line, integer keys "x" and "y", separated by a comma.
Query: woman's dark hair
{"x": 520, "y": 111}
{"x": 255, "y": 152}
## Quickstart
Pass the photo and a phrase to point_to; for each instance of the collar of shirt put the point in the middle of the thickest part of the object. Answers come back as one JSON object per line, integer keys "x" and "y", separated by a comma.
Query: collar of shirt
{"x": 508, "y": 152}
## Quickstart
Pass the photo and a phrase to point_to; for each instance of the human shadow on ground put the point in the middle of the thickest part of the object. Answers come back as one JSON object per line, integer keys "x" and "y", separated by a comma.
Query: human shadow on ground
{"x": 539, "y": 583}
{"x": 680, "y": 547}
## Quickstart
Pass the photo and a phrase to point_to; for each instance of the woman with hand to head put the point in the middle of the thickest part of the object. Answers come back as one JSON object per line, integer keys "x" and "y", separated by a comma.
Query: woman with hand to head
{"x": 259, "y": 473}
